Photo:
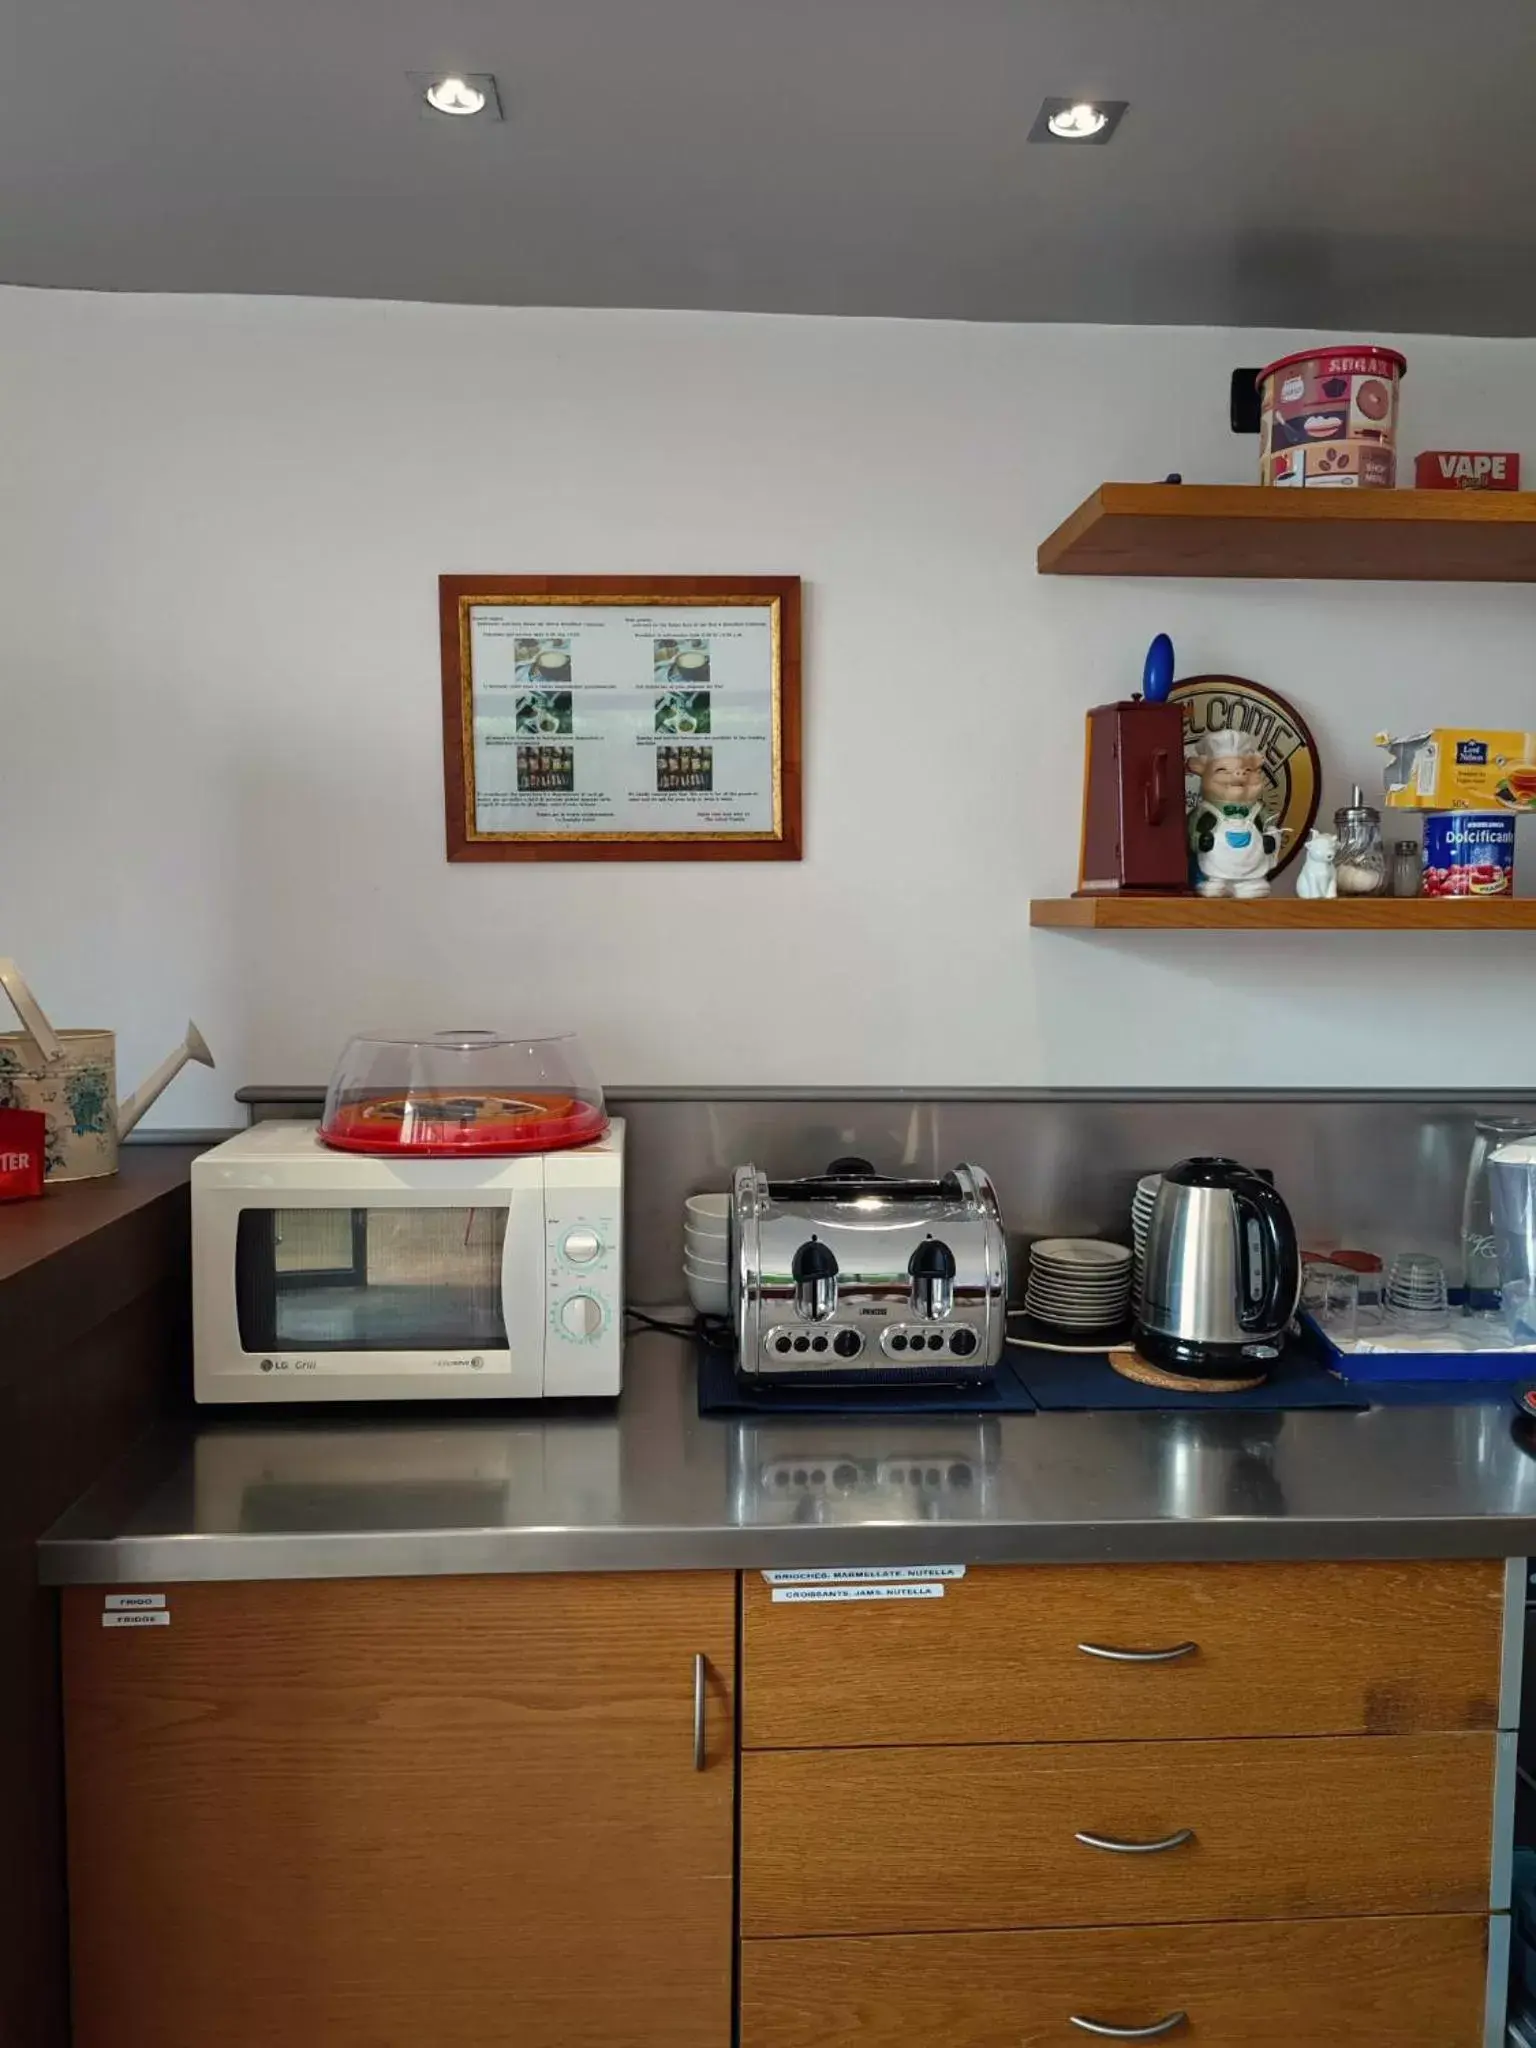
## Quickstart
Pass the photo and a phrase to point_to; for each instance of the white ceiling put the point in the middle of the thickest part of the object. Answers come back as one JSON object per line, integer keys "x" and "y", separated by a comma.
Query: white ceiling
{"x": 1335, "y": 163}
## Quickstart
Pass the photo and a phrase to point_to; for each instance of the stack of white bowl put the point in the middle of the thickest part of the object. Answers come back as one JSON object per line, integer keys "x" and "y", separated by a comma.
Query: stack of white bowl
{"x": 1078, "y": 1283}
{"x": 1141, "y": 1223}
{"x": 706, "y": 1245}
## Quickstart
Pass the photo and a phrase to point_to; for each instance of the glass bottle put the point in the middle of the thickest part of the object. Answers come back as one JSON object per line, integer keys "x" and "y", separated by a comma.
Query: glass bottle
{"x": 1360, "y": 864}
{"x": 1407, "y": 868}
{"x": 1479, "y": 1240}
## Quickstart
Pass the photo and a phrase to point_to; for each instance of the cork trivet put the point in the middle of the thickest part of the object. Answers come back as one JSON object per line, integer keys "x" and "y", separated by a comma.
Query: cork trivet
{"x": 1132, "y": 1366}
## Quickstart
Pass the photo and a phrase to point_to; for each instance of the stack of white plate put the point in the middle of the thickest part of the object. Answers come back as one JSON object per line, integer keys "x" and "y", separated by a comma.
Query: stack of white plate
{"x": 1078, "y": 1283}
{"x": 1141, "y": 1223}
{"x": 706, "y": 1245}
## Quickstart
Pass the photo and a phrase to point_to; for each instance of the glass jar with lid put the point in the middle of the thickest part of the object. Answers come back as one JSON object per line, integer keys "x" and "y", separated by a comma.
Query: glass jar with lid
{"x": 1407, "y": 867}
{"x": 1360, "y": 862}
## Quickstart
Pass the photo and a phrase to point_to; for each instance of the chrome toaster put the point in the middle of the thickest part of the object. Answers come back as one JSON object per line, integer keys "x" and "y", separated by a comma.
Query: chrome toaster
{"x": 851, "y": 1277}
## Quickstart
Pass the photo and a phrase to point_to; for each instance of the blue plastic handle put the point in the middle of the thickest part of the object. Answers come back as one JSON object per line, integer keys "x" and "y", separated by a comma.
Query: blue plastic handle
{"x": 1157, "y": 675}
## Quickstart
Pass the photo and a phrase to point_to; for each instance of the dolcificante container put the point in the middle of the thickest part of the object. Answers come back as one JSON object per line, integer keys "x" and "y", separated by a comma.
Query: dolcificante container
{"x": 1469, "y": 853}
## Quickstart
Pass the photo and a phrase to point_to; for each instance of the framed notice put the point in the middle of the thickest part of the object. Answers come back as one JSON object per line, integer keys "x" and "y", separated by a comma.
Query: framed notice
{"x": 621, "y": 717}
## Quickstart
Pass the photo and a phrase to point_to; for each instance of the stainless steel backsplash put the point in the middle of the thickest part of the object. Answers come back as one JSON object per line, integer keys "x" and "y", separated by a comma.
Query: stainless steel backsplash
{"x": 1384, "y": 1172}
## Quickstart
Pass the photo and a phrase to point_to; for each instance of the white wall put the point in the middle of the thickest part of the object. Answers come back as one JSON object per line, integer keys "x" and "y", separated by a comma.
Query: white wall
{"x": 221, "y": 526}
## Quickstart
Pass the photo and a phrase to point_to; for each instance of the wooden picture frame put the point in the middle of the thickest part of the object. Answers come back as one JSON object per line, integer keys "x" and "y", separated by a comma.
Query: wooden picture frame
{"x": 637, "y": 748}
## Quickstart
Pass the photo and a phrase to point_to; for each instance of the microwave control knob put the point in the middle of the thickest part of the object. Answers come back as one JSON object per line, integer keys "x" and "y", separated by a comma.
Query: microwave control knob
{"x": 581, "y": 1247}
{"x": 581, "y": 1316}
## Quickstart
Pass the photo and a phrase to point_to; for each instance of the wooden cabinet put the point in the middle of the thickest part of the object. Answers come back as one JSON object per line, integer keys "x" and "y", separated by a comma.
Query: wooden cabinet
{"x": 875, "y": 1841}
{"x": 1246, "y": 1805}
{"x": 1415, "y": 1983}
{"x": 390, "y": 1813}
{"x": 1272, "y": 1649}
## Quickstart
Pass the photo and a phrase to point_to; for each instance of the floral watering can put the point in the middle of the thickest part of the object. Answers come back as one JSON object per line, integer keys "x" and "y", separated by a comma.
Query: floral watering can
{"x": 71, "y": 1076}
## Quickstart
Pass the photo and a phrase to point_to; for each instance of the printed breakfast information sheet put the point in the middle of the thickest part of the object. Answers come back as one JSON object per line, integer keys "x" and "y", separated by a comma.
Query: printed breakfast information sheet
{"x": 594, "y": 718}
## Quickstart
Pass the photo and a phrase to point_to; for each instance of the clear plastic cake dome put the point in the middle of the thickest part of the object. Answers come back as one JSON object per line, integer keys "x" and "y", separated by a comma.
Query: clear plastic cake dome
{"x": 462, "y": 1093}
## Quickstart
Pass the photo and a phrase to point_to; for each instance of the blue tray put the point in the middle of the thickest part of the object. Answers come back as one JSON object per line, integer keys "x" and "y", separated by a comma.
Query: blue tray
{"x": 1386, "y": 1368}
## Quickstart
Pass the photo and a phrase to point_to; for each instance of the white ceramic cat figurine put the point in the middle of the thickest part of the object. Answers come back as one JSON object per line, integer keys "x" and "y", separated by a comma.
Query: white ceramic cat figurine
{"x": 1318, "y": 877}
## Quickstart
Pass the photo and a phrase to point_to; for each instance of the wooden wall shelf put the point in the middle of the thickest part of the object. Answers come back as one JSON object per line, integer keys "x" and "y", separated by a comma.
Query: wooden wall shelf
{"x": 1283, "y": 914}
{"x": 1247, "y": 530}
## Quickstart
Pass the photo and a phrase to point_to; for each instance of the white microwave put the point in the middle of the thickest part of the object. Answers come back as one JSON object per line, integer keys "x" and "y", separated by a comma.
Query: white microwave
{"x": 336, "y": 1276}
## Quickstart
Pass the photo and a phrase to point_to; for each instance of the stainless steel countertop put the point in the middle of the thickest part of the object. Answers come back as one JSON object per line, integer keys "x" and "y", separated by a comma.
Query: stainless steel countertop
{"x": 649, "y": 1486}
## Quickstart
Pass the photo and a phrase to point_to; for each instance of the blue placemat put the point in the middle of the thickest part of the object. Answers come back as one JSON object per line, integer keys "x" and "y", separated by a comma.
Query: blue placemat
{"x": 721, "y": 1393}
{"x": 1297, "y": 1380}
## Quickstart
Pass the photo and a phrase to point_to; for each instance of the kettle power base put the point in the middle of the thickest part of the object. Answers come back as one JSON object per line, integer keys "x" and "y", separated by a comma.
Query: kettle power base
{"x": 1132, "y": 1366}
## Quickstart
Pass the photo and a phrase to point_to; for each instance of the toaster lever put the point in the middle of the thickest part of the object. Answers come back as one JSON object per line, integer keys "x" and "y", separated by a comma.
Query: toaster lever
{"x": 815, "y": 1275}
{"x": 932, "y": 1267}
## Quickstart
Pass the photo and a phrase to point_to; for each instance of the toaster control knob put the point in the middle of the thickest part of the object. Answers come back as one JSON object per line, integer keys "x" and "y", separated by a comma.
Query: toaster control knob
{"x": 581, "y": 1247}
{"x": 963, "y": 1342}
{"x": 847, "y": 1344}
{"x": 581, "y": 1316}
{"x": 814, "y": 1270}
{"x": 932, "y": 1267}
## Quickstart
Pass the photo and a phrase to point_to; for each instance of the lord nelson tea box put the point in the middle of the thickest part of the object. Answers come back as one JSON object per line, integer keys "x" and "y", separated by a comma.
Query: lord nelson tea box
{"x": 1461, "y": 768}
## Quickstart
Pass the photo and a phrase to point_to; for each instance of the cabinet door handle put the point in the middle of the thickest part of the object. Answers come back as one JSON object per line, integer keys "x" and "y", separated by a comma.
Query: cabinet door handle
{"x": 1154, "y": 797}
{"x": 1173, "y": 1841}
{"x": 700, "y": 1696}
{"x": 1170, "y": 1656}
{"x": 1155, "y": 2032}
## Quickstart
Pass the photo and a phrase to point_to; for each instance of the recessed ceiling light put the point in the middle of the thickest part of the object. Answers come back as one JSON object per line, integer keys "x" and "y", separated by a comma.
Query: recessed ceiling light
{"x": 1067, "y": 120}
{"x": 1072, "y": 124}
{"x": 460, "y": 95}
{"x": 457, "y": 96}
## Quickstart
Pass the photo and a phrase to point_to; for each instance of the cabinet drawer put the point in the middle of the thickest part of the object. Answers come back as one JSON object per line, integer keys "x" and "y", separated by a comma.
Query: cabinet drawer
{"x": 891, "y": 1841}
{"x": 1350, "y": 1984}
{"x": 1265, "y": 1649}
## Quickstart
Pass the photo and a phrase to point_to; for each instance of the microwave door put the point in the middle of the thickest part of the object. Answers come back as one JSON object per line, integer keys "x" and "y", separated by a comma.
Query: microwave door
{"x": 379, "y": 1289}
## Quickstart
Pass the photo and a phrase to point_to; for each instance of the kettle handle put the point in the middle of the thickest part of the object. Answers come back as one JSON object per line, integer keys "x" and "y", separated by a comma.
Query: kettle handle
{"x": 1264, "y": 1227}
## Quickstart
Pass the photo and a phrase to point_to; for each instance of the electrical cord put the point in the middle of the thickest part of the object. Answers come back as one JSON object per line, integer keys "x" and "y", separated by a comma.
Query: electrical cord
{"x": 703, "y": 1329}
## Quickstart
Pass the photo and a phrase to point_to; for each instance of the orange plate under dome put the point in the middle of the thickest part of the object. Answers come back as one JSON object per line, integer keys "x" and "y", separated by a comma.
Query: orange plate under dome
{"x": 462, "y": 1094}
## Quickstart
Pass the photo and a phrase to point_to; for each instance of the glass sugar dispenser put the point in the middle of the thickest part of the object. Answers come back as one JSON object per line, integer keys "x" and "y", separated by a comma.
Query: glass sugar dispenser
{"x": 1360, "y": 862}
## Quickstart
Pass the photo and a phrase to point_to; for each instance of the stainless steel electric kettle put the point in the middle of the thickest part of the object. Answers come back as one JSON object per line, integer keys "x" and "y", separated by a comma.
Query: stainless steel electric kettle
{"x": 1222, "y": 1275}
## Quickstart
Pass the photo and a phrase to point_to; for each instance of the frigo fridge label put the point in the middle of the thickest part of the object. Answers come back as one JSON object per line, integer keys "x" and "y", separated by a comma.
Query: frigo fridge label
{"x": 135, "y": 1610}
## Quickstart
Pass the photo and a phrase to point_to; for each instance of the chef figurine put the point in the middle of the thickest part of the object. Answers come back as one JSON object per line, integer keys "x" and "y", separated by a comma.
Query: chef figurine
{"x": 1233, "y": 838}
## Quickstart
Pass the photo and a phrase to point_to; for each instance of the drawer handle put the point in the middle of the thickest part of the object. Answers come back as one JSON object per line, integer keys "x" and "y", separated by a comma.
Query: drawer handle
{"x": 1139, "y": 1656}
{"x": 700, "y": 1697}
{"x": 1155, "y": 2032}
{"x": 1174, "y": 1841}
